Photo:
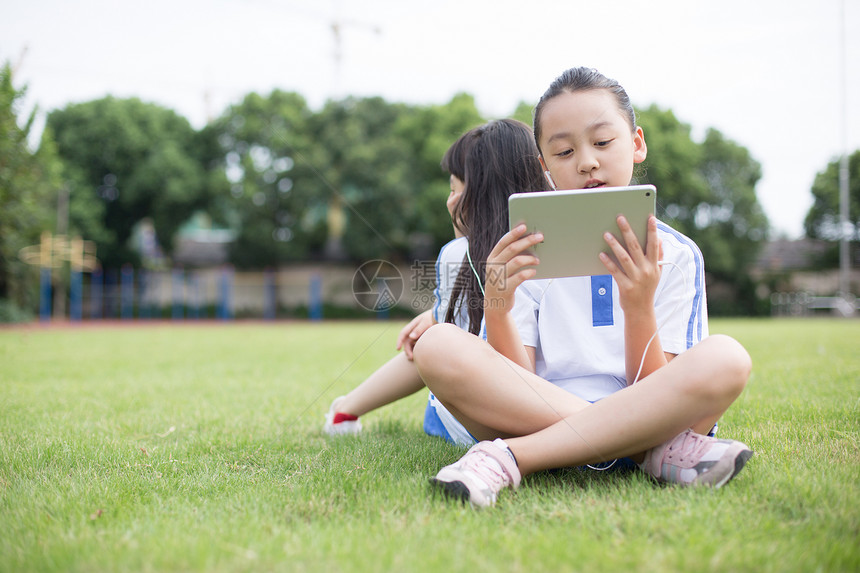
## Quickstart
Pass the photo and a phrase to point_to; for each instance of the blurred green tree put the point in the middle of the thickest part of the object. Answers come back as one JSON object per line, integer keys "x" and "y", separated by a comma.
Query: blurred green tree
{"x": 822, "y": 219}
{"x": 126, "y": 160}
{"x": 731, "y": 221}
{"x": 29, "y": 184}
{"x": 273, "y": 199}
{"x": 672, "y": 167}
{"x": 366, "y": 168}
{"x": 707, "y": 191}
{"x": 360, "y": 179}
{"x": 402, "y": 198}
{"x": 525, "y": 113}
{"x": 428, "y": 132}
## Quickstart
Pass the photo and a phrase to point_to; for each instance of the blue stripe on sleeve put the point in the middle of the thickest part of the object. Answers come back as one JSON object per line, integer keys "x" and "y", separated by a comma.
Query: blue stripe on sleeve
{"x": 436, "y": 302}
{"x": 694, "y": 324}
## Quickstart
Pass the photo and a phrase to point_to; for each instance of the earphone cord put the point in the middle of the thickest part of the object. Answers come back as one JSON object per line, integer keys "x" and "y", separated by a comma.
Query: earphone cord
{"x": 647, "y": 346}
{"x": 666, "y": 318}
{"x": 474, "y": 270}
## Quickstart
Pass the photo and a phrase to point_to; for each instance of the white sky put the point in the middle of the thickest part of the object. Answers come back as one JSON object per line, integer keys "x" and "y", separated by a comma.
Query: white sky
{"x": 767, "y": 73}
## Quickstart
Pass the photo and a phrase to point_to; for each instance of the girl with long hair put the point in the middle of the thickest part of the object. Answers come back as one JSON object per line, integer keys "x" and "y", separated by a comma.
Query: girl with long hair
{"x": 486, "y": 165}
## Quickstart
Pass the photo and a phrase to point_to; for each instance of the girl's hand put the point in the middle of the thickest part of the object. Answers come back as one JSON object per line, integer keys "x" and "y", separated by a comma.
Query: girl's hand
{"x": 637, "y": 272}
{"x": 508, "y": 265}
{"x": 410, "y": 333}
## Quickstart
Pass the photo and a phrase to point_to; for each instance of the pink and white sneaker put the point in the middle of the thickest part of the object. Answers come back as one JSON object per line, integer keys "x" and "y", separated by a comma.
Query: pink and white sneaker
{"x": 338, "y": 423}
{"x": 480, "y": 475}
{"x": 692, "y": 459}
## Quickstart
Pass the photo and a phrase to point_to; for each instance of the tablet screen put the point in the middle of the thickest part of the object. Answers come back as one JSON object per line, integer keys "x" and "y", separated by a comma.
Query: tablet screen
{"x": 573, "y": 223}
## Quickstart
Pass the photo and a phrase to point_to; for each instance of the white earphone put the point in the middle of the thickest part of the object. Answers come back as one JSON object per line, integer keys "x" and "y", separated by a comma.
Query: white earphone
{"x": 549, "y": 179}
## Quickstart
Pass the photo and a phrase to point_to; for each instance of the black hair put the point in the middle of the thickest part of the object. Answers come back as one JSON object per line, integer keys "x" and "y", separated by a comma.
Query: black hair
{"x": 501, "y": 159}
{"x": 454, "y": 160}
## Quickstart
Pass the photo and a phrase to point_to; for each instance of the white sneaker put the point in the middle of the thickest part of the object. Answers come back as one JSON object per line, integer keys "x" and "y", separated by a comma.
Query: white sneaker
{"x": 480, "y": 475}
{"x": 337, "y": 427}
{"x": 693, "y": 459}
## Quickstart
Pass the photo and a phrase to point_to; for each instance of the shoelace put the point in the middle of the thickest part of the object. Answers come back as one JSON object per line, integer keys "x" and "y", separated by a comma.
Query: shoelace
{"x": 487, "y": 469}
{"x": 691, "y": 445}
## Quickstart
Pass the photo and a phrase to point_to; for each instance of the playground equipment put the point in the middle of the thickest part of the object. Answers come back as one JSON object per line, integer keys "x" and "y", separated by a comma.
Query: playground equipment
{"x": 53, "y": 252}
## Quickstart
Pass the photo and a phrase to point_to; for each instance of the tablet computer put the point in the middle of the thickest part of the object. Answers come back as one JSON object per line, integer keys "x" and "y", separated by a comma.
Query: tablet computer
{"x": 573, "y": 223}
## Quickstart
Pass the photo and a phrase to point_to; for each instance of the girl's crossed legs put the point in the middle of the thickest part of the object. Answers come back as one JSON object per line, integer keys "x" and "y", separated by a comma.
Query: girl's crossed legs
{"x": 547, "y": 427}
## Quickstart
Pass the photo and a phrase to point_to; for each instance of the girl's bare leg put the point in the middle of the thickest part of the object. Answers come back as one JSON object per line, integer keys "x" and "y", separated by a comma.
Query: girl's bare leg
{"x": 494, "y": 398}
{"x": 692, "y": 391}
{"x": 394, "y": 380}
{"x": 489, "y": 394}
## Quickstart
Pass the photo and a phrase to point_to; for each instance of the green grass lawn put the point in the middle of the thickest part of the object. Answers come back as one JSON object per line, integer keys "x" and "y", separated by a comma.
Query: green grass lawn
{"x": 198, "y": 448}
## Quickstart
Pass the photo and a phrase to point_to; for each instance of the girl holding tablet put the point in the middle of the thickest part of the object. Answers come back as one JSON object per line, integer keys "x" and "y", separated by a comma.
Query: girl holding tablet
{"x": 589, "y": 369}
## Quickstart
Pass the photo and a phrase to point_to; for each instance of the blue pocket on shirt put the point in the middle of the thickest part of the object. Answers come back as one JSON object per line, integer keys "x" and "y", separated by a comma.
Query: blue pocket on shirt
{"x": 601, "y": 301}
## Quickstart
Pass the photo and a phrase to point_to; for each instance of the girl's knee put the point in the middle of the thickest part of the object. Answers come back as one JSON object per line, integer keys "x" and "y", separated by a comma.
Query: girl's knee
{"x": 734, "y": 359}
{"x": 725, "y": 370}
{"x": 434, "y": 345}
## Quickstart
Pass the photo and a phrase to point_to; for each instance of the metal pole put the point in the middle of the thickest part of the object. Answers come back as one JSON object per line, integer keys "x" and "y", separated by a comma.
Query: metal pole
{"x": 62, "y": 230}
{"x": 844, "y": 250}
{"x": 45, "y": 261}
{"x": 76, "y": 265}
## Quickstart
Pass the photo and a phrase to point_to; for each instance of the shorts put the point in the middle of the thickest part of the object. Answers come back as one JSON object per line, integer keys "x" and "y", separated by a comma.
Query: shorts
{"x": 438, "y": 421}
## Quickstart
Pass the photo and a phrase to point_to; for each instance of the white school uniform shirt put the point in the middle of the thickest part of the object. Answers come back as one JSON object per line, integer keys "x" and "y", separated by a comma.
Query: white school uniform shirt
{"x": 438, "y": 421}
{"x": 448, "y": 263}
{"x": 576, "y": 324}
